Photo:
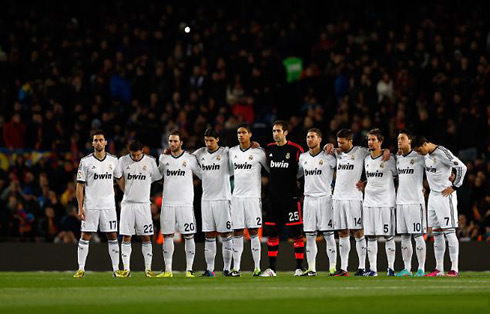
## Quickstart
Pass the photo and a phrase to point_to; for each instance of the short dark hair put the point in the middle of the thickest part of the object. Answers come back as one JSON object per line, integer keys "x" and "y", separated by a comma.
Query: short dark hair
{"x": 210, "y": 132}
{"x": 175, "y": 132}
{"x": 419, "y": 141}
{"x": 282, "y": 123}
{"x": 98, "y": 132}
{"x": 245, "y": 126}
{"x": 135, "y": 146}
{"x": 316, "y": 130}
{"x": 407, "y": 132}
{"x": 345, "y": 133}
{"x": 377, "y": 132}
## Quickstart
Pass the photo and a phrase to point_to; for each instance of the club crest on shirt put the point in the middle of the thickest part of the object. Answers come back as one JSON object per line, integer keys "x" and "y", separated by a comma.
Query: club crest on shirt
{"x": 184, "y": 164}
{"x": 305, "y": 162}
{"x": 352, "y": 157}
{"x": 250, "y": 157}
{"x": 218, "y": 157}
{"x": 93, "y": 167}
{"x": 320, "y": 162}
{"x": 412, "y": 161}
{"x": 144, "y": 167}
{"x": 288, "y": 155}
{"x": 382, "y": 165}
{"x": 110, "y": 166}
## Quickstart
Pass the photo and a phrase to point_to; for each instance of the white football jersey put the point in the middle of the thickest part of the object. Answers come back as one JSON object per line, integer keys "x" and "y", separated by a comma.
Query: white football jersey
{"x": 138, "y": 177}
{"x": 178, "y": 184}
{"x": 380, "y": 186}
{"x": 438, "y": 167}
{"x": 215, "y": 172}
{"x": 318, "y": 172}
{"x": 349, "y": 170}
{"x": 98, "y": 176}
{"x": 246, "y": 168}
{"x": 410, "y": 168}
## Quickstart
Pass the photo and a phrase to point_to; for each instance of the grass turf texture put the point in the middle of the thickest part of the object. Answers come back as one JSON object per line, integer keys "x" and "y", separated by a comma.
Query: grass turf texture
{"x": 58, "y": 292}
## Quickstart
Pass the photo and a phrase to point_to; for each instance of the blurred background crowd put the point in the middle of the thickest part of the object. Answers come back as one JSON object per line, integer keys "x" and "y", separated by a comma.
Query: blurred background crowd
{"x": 138, "y": 69}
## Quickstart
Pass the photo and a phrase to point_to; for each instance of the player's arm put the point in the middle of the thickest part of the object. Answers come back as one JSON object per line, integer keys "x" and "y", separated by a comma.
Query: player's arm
{"x": 156, "y": 176}
{"x": 118, "y": 175}
{"x": 450, "y": 160}
{"x": 263, "y": 159}
{"x": 300, "y": 168}
{"x": 196, "y": 169}
{"x": 79, "y": 193}
{"x": 121, "y": 183}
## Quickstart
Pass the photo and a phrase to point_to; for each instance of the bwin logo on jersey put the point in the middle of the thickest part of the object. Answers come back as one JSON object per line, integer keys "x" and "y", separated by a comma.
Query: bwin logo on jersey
{"x": 175, "y": 173}
{"x": 405, "y": 171}
{"x": 280, "y": 164}
{"x": 105, "y": 176}
{"x": 316, "y": 172}
{"x": 242, "y": 166}
{"x": 345, "y": 167}
{"x": 431, "y": 169}
{"x": 374, "y": 174}
{"x": 136, "y": 176}
{"x": 210, "y": 167}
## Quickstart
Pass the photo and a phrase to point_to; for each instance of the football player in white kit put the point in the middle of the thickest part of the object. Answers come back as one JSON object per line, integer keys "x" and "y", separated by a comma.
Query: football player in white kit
{"x": 96, "y": 202}
{"x": 317, "y": 167}
{"x": 215, "y": 203}
{"x": 410, "y": 204}
{"x": 347, "y": 199}
{"x": 378, "y": 208}
{"x": 246, "y": 206}
{"x": 178, "y": 198}
{"x": 443, "y": 203}
{"x": 135, "y": 173}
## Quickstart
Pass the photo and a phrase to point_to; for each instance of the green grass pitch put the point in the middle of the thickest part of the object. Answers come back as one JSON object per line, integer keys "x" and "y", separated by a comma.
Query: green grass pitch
{"x": 58, "y": 292}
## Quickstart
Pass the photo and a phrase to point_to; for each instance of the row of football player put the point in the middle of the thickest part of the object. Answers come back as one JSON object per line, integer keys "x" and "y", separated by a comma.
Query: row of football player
{"x": 347, "y": 209}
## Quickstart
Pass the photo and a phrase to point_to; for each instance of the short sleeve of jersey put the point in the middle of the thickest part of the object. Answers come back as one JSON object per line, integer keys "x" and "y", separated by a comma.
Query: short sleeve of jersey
{"x": 82, "y": 172}
{"x": 196, "y": 169}
{"x": 156, "y": 175}
{"x": 331, "y": 160}
{"x": 262, "y": 158}
{"x": 161, "y": 161}
{"x": 118, "y": 171}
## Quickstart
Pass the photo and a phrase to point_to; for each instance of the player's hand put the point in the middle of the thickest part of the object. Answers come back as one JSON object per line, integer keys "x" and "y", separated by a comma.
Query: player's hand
{"x": 255, "y": 144}
{"x": 328, "y": 148}
{"x": 452, "y": 177}
{"x": 447, "y": 191}
{"x": 166, "y": 151}
{"x": 386, "y": 155}
{"x": 81, "y": 213}
{"x": 361, "y": 185}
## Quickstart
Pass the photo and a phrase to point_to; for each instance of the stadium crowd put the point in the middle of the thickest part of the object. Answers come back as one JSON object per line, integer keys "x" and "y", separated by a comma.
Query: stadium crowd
{"x": 139, "y": 70}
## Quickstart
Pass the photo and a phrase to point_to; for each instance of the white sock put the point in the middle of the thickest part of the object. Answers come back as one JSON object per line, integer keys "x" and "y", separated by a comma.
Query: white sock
{"x": 453, "y": 243}
{"x": 168, "y": 252}
{"x": 227, "y": 251}
{"x": 311, "y": 250}
{"x": 210, "y": 253}
{"x": 147, "y": 250}
{"x": 390, "y": 252}
{"x": 420, "y": 250}
{"x": 190, "y": 251}
{"x": 126, "y": 254}
{"x": 407, "y": 251}
{"x": 331, "y": 247}
{"x": 113, "y": 246}
{"x": 344, "y": 249}
{"x": 361, "y": 251}
{"x": 237, "y": 251}
{"x": 439, "y": 250}
{"x": 372, "y": 252}
{"x": 82, "y": 253}
{"x": 256, "y": 249}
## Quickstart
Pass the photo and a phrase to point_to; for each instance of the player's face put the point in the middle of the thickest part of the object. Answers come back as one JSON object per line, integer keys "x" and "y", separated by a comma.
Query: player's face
{"x": 373, "y": 142}
{"x": 403, "y": 142}
{"x": 344, "y": 144}
{"x": 243, "y": 135}
{"x": 99, "y": 143}
{"x": 313, "y": 140}
{"x": 278, "y": 133}
{"x": 136, "y": 155}
{"x": 174, "y": 143}
{"x": 422, "y": 150}
{"x": 211, "y": 143}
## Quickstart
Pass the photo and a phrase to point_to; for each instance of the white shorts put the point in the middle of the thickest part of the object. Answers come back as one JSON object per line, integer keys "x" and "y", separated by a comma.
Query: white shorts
{"x": 378, "y": 221}
{"x": 105, "y": 219}
{"x": 411, "y": 219}
{"x": 246, "y": 213}
{"x": 317, "y": 213}
{"x": 347, "y": 215}
{"x": 216, "y": 216}
{"x": 135, "y": 219}
{"x": 178, "y": 219}
{"x": 443, "y": 211}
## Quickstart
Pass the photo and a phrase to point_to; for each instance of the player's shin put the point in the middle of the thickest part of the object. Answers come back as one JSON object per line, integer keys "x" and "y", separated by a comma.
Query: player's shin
{"x": 344, "y": 249}
{"x": 227, "y": 252}
{"x": 147, "y": 250}
{"x": 190, "y": 251}
{"x": 210, "y": 253}
{"x": 256, "y": 249}
{"x": 168, "y": 252}
{"x": 390, "y": 251}
{"x": 331, "y": 248}
{"x": 311, "y": 250}
{"x": 453, "y": 243}
{"x": 372, "y": 252}
{"x": 439, "y": 250}
{"x": 83, "y": 246}
{"x": 361, "y": 251}
{"x": 237, "y": 251}
{"x": 420, "y": 249}
{"x": 113, "y": 247}
{"x": 126, "y": 254}
{"x": 407, "y": 251}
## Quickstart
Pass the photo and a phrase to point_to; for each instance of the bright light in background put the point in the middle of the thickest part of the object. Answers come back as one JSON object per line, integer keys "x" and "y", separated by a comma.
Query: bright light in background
{"x": 187, "y": 29}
